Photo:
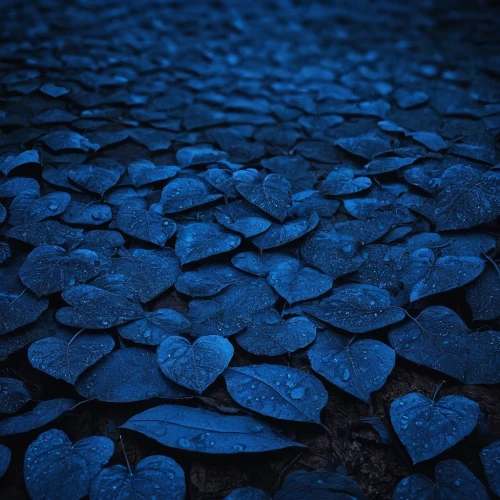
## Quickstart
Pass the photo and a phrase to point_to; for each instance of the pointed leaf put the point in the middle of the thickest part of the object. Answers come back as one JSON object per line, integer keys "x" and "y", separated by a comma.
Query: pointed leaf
{"x": 203, "y": 431}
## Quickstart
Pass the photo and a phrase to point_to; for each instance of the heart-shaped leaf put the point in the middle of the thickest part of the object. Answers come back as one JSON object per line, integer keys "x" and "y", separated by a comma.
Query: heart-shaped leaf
{"x": 186, "y": 192}
{"x": 155, "y": 327}
{"x": 157, "y": 477}
{"x": 231, "y": 310}
{"x": 440, "y": 340}
{"x": 94, "y": 308}
{"x": 281, "y": 234}
{"x": 358, "y": 368}
{"x": 426, "y": 275}
{"x": 55, "y": 468}
{"x": 197, "y": 365}
{"x": 145, "y": 224}
{"x": 49, "y": 269}
{"x": 270, "y": 335}
{"x": 272, "y": 194}
{"x": 453, "y": 481}
{"x": 67, "y": 355}
{"x": 427, "y": 428}
{"x": 357, "y": 308}
{"x": 294, "y": 282}
{"x": 277, "y": 391}
{"x": 208, "y": 280}
{"x": 200, "y": 240}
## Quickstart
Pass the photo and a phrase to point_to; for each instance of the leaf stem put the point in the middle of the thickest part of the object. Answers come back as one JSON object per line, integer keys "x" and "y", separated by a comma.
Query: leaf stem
{"x": 125, "y": 455}
{"x": 438, "y": 388}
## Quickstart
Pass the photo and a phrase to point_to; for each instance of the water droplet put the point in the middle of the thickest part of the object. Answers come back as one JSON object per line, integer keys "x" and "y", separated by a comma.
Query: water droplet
{"x": 298, "y": 393}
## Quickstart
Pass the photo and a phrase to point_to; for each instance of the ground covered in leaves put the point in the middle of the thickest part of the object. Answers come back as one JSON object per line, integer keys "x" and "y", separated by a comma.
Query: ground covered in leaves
{"x": 308, "y": 190}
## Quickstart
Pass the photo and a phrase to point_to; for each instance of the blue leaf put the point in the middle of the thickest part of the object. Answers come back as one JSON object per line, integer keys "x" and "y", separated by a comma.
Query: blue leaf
{"x": 134, "y": 219}
{"x": 409, "y": 99}
{"x": 184, "y": 193}
{"x": 62, "y": 140}
{"x": 42, "y": 414}
{"x": 358, "y": 368}
{"x": 155, "y": 327}
{"x": 127, "y": 375}
{"x": 384, "y": 164}
{"x": 143, "y": 172}
{"x": 427, "y": 275}
{"x": 440, "y": 340}
{"x": 366, "y": 207}
{"x": 294, "y": 282}
{"x": 231, "y": 310}
{"x": 272, "y": 194}
{"x": 366, "y": 145}
{"x": 281, "y": 234}
{"x": 194, "y": 429}
{"x": 154, "y": 140}
{"x": 466, "y": 198}
{"x": 341, "y": 182}
{"x": 308, "y": 202}
{"x": 97, "y": 178}
{"x": 270, "y": 335}
{"x": 14, "y": 395}
{"x": 208, "y": 280}
{"x": 453, "y": 481}
{"x": 57, "y": 469}
{"x": 48, "y": 269}
{"x": 222, "y": 180}
{"x": 156, "y": 477}
{"x": 247, "y": 493}
{"x": 4, "y": 459}
{"x": 357, "y": 308}
{"x": 103, "y": 242}
{"x": 197, "y": 365}
{"x": 490, "y": 457}
{"x": 427, "y": 428}
{"x": 199, "y": 155}
{"x": 95, "y": 308}
{"x": 49, "y": 232}
{"x": 22, "y": 337}
{"x": 120, "y": 195}
{"x": 366, "y": 231}
{"x": 151, "y": 272}
{"x": 28, "y": 207}
{"x": 24, "y": 159}
{"x": 243, "y": 218}
{"x": 17, "y": 310}
{"x": 92, "y": 214}
{"x": 67, "y": 355}
{"x": 259, "y": 264}
{"x": 277, "y": 391}
{"x": 200, "y": 240}
{"x": 483, "y": 295}
{"x": 430, "y": 140}
{"x": 319, "y": 484}
{"x": 333, "y": 253}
